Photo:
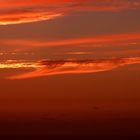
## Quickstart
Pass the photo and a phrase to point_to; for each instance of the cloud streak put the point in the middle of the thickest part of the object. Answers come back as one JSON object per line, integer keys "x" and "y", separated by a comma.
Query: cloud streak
{"x": 14, "y": 64}
{"x": 103, "y": 39}
{"x": 48, "y": 68}
{"x": 19, "y": 11}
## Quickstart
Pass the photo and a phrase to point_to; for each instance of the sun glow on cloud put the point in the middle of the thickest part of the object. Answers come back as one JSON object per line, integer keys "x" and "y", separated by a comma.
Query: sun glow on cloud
{"x": 27, "y": 18}
{"x": 19, "y": 11}
{"x": 47, "y": 68}
{"x": 17, "y": 64}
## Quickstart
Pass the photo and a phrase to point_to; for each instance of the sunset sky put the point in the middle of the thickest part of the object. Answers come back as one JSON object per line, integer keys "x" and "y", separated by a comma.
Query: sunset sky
{"x": 65, "y": 64}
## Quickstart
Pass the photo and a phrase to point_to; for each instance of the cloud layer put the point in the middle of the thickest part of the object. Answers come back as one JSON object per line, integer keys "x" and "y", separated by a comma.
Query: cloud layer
{"x": 19, "y": 11}
{"x": 47, "y": 68}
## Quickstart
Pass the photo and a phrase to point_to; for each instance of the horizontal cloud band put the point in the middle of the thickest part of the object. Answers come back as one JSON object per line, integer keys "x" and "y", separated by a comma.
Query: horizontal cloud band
{"x": 114, "y": 38}
{"x": 47, "y": 68}
{"x": 19, "y": 11}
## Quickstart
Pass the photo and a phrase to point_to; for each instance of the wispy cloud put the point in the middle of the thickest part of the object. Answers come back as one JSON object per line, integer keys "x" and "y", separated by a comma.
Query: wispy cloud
{"x": 89, "y": 41}
{"x": 19, "y": 11}
{"x": 27, "y": 17}
{"x": 47, "y": 68}
{"x": 102, "y": 41}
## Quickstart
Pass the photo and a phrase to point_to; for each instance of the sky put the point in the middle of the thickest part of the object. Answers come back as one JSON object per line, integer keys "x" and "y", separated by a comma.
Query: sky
{"x": 68, "y": 64}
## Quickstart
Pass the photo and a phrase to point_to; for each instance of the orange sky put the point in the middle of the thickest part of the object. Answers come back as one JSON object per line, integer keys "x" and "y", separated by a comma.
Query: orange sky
{"x": 84, "y": 29}
{"x": 70, "y": 67}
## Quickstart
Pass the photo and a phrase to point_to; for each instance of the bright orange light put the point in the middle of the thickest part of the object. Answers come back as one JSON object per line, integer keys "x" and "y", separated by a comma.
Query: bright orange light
{"x": 76, "y": 67}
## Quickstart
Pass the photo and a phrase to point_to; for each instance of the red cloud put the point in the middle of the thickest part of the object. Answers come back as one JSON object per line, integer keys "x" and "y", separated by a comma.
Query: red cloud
{"x": 104, "y": 39}
{"x": 48, "y": 68}
{"x": 19, "y": 11}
